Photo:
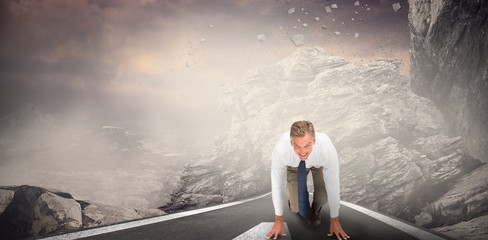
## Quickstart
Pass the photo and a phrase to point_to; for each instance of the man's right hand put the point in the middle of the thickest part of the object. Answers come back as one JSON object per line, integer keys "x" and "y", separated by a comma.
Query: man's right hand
{"x": 278, "y": 228}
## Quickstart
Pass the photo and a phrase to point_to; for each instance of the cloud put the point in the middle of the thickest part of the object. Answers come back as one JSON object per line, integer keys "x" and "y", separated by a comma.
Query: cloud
{"x": 72, "y": 54}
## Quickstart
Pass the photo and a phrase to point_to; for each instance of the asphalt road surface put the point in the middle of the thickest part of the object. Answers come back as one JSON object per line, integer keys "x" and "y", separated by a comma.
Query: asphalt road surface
{"x": 230, "y": 222}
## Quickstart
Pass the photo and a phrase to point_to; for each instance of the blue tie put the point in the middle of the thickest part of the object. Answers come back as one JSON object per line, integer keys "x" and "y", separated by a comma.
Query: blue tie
{"x": 303, "y": 203}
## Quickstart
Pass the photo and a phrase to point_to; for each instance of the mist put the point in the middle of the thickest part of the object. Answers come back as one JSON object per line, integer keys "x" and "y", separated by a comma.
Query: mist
{"x": 110, "y": 99}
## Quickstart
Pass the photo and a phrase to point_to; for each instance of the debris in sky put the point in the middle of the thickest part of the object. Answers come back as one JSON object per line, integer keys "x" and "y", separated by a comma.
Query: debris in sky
{"x": 333, "y": 19}
{"x": 356, "y": 3}
{"x": 328, "y": 9}
{"x": 334, "y": 6}
{"x": 356, "y": 35}
{"x": 356, "y": 12}
{"x": 211, "y": 26}
{"x": 203, "y": 40}
{"x": 303, "y": 9}
{"x": 337, "y": 33}
{"x": 352, "y": 19}
{"x": 305, "y": 25}
{"x": 306, "y": 13}
{"x": 298, "y": 39}
{"x": 281, "y": 28}
{"x": 342, "y": 23}
{"x": 317, "y": 19}
{"x": 299, "y": 20}
{"x": 291, "y": 10}
{"x": 368, "y": 9}
{"x": 324, "y": 27}
{"x": 261, "y": 37}
{"x": 396, "y": 6}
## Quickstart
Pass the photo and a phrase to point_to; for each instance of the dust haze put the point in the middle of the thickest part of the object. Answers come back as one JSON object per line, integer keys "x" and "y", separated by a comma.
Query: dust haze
{"x": 108, "y": 100}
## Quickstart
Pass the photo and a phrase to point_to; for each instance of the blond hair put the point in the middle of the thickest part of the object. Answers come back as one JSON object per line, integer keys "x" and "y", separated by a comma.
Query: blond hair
{"x": 301, "y": 128}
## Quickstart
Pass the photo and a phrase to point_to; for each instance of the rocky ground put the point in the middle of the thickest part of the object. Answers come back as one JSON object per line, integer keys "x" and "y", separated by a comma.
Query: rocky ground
{"x": 394, "y": 156}
{"x": 28, "y": 211}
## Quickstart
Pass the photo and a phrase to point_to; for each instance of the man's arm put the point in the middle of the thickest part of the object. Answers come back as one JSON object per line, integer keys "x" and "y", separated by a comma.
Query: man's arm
{"x": 278, "y": 182}
{"x": 278, "y": 185}
{"x": 332, "y": 184}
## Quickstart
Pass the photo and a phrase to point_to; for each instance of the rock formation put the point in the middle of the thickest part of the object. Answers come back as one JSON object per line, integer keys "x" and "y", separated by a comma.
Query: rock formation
{"x": 28, "y": 211}
{"x": 97, "y": 214}
{"x": 394, "y": 155}
{"x": 450, "y": 65}
{"x": 32, "y": 211}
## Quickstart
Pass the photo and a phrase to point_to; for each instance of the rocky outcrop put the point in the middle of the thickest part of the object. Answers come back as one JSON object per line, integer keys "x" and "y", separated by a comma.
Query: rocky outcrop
{"x": 28, "y": 211}
{"x": 210, "y": 179}
{"x": 450, "y": 65}
{"x": 32, "y": 211}
{"x": 468, "y": 199}
{"x": 394, "y": 156}
{"x": 97, "y": 214}
{"x": 399, "y": 180}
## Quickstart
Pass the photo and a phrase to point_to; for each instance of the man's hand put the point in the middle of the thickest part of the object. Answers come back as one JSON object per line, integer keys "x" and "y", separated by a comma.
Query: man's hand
{"x": 278, "y": 228}
{"x": 336, "y": 229}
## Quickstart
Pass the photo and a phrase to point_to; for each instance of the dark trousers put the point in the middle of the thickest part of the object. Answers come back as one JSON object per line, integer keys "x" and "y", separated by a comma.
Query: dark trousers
{"x": 319, "y": 192}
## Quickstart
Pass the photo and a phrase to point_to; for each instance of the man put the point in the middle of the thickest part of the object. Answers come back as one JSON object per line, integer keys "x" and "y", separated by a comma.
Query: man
{"x": 295, "y": 150}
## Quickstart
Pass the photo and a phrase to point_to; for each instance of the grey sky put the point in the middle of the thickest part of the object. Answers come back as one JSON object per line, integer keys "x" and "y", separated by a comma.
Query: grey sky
{"x": 166, "y": 60}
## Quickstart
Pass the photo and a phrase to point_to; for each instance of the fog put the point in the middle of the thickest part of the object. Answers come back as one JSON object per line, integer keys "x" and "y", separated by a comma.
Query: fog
{"x": 108, "y": 100}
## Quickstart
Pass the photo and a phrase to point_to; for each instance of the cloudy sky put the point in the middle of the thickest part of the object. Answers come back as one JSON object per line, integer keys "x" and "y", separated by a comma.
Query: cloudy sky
{"x": 163, "y": 62}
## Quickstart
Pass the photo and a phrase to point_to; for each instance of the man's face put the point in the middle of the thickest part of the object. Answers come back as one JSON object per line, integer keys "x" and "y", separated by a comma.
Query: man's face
{"x": 303, "y": 145}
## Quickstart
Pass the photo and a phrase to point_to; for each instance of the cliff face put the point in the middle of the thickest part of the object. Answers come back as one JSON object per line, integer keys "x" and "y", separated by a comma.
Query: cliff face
{"x": 450, "y": 65}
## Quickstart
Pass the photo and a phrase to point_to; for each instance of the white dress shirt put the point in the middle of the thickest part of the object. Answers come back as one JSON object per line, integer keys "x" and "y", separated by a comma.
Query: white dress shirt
{"x": 323, "y": 154}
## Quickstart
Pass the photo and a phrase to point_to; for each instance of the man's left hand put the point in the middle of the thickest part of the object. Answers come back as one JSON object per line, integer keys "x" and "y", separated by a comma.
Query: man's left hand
{"x": 336, "y": 229}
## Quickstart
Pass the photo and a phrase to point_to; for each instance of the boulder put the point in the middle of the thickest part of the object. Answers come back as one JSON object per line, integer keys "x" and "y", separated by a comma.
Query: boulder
{"x": 468, "y": 199}
{"x": 34, "y": 211}
{"x": 29, "y": 212}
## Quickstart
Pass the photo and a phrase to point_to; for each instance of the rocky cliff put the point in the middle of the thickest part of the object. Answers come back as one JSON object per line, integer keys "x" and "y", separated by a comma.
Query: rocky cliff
{"x": 450, "y": 65}
{"x": 28, "y": 211}
{"x": 393, "y": 154}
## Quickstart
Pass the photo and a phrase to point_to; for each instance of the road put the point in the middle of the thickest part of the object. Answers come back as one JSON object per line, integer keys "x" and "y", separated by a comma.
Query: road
{"x": 230, "y": 222}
